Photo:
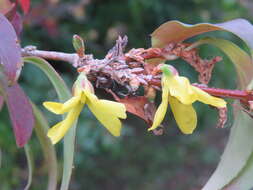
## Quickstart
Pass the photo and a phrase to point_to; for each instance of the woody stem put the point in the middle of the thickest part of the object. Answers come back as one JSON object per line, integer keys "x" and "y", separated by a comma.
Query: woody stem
{"x": 150, "y": 53}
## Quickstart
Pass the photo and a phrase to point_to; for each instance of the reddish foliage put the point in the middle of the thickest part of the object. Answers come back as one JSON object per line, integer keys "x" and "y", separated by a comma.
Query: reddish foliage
{"x": 17, "y": 23}
{"x": 9, "y": 10}
{"x": 25, "y": 5}
{"x": 139, "y": 106}
{"x": 10, "y": 50}
{"x": 7, "y": 7}
{"x": 21, "y": 114}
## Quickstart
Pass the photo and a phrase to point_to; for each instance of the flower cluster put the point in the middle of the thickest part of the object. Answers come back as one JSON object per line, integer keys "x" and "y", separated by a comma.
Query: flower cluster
{"x": 176, "y": 91}
{"x": 107, "y": 112}
{"x": 180, "y": 94}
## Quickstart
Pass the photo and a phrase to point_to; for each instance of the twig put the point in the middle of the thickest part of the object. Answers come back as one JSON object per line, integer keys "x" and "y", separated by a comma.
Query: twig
{"x": 127, "y": 69}
{"x": 51, "y": 55}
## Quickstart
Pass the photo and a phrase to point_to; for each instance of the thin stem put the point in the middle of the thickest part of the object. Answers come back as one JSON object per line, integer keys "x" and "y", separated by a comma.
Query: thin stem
{"x": 51, "y": 55}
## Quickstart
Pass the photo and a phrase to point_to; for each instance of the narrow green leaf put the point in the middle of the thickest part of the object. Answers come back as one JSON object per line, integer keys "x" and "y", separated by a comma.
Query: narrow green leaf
{"x": 54, "y": 77}
{"x": 64, "y": 94}
{"x": 29, "y": 158}
{"x": 41, "y": 127}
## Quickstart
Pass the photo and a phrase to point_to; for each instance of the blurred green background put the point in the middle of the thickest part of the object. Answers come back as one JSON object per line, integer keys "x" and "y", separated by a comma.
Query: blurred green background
{"x": 137, "y": 160}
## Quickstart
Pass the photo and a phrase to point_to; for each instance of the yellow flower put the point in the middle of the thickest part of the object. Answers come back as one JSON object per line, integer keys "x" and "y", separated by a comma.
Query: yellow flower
{"x": 107, "y": 112}
{"x": 180, "y": 94}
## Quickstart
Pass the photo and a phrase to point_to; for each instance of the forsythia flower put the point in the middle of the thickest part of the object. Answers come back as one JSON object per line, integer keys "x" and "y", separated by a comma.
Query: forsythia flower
{"x": 107, "y": 112}
{"x": 180, "y": 94}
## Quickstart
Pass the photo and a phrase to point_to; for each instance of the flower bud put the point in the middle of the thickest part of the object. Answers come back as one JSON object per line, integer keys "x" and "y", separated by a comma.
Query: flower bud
{"x": 82, "y": 83}
{"x": 78, "y": 45}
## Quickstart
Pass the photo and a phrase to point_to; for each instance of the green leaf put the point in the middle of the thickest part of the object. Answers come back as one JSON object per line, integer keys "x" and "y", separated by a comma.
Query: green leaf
{"x": 174, "y": 31}
{"x": 29, "y": 158}
{"x": 244, "y": 179}
{"x": 232, "y": 161}
{"x": 64, "y": 94}
{"x": 41, "y": 128}
{"x": 236, "y": 154}
{"x": 240, "y": 145}
{"x": 58, "y": 83}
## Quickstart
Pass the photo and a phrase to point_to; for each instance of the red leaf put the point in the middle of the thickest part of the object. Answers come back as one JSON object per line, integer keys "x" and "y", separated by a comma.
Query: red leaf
{"x": 139, "y": 106}
{"x": 10, "y": 51}
{"x": 21, "y": 114}
{"x": 25, "y": 5}
{"x": 6, "y": 6}
{"x": 13, "y": 16}
{"x": 17, "y": 23}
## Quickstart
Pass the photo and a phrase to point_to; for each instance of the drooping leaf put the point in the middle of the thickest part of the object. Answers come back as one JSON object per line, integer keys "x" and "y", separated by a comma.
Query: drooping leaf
{"x": 232, "y": 161}
{"x": 244, "y": 179}
{"x": 10, "y": 51}
{"x": 135, "y": 105}
{"x": 25, "y": 5}
{"x": 20, "y": 111}
{"x": 41, "y": 128}
{"x": 52, "y": 75}
{"x": 240, "y": 146}
{"x": 63, "y": 94}
{"x": 235, "y": 155}
{"x": 139, "y": 106}
{"x": 174, "y": 31}
{"x": 29, "y": 157}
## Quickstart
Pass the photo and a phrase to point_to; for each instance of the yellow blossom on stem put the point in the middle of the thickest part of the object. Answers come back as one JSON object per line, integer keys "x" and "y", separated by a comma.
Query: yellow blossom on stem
{"x": 107, "y": 112}
{"x": 180, "y": 94}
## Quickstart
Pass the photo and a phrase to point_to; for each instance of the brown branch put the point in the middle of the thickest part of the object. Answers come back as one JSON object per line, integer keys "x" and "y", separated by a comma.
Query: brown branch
{"x": 129, "y": 69}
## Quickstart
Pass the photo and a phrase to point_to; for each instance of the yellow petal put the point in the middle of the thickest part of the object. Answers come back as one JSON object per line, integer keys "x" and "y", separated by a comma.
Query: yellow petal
{"x": 83, "y": 98}
{"x": 181, "y": 88}
{"x": 53, "y": 107}
{"x": 185, "y": 115}
{"x": 110, "y": 122}
{"x": 161, "y": 111}
{"x": 206, "y": 98}
{"x": 114, "y": 108}
{"x": 108, "y": 107}
{"x": 59, "y": 108}
{"x": 57, "y": 132}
